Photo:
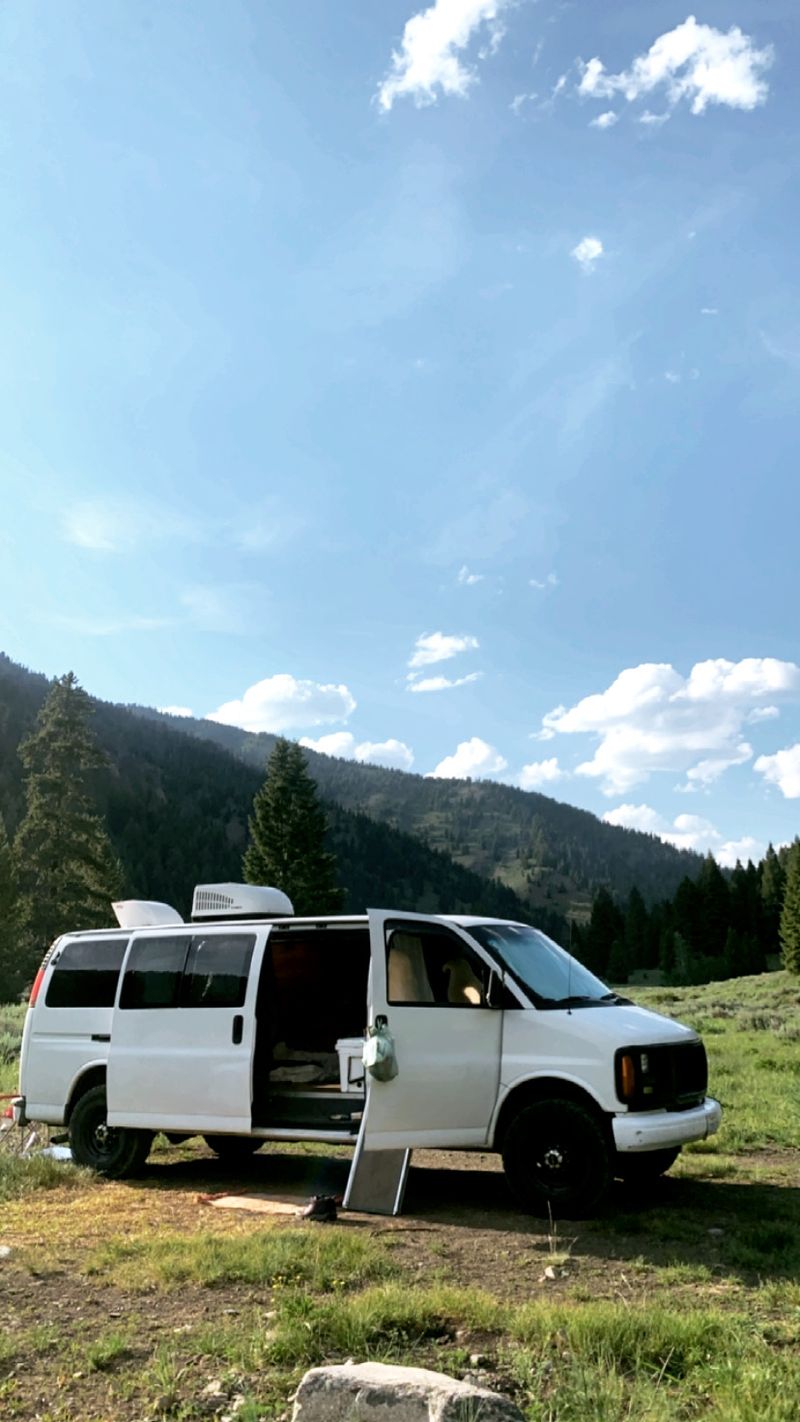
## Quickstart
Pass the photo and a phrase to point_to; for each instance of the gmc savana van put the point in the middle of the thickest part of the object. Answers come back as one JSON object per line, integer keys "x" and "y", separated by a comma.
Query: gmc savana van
{"x": 247, "y": 1025}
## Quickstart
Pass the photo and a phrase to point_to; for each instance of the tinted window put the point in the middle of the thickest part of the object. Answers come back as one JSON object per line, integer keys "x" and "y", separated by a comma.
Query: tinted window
{"x": 153, "y": 975}
{"x": 86, "y": 973}
{"x": 432, "y": 968}
{"x": 216, "y": 970}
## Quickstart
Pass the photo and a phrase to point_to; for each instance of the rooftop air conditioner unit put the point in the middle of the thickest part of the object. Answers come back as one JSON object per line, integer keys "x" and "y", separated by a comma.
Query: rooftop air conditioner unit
{"x": 215, "y": 901}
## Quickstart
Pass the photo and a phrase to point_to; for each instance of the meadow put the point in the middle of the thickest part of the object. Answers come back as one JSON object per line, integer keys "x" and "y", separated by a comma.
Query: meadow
{"x": 137, "y": 1299}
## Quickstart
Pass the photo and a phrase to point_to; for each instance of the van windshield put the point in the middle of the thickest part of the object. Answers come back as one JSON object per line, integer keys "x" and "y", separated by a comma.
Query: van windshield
{"x": 552, "y": 976}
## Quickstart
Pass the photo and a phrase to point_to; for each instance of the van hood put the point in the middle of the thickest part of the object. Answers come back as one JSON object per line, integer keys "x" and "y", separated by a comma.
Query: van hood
{"x": 623, "y": 1025}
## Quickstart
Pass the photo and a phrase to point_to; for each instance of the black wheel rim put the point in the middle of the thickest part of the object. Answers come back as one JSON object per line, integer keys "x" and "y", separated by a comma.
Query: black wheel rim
{"x": 559, "y": 1165}
{"x": 102, "y": 1140}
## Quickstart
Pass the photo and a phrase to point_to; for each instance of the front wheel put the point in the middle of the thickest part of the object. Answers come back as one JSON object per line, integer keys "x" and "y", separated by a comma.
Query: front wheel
{"x": 110, "y": 1150}
{"x": 640, "y": 1167}
{"x": 233, "y": 1148}
{"x": 557, "y": 1158}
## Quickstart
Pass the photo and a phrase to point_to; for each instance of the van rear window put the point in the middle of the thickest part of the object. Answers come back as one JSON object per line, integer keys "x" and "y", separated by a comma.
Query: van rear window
{"x": 86, "y": 973}
{"x": 217, "y": 969}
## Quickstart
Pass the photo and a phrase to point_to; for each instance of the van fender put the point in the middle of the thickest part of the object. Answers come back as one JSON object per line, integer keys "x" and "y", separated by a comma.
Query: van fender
{"x": 541, "y": 1087}
{"x": 91, "y": 1074}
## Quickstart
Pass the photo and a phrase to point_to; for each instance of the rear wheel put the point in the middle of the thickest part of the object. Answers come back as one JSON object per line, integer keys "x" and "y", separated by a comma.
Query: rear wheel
{"x": 637, "y": 1168}
{"x": 556, "y": 1156}
{"x": 233, "y": 1148}
{"x": 110, "y": 1150}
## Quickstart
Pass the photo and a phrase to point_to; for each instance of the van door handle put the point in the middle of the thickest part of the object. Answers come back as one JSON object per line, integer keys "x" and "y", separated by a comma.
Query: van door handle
{"x": 238, "y": 1029}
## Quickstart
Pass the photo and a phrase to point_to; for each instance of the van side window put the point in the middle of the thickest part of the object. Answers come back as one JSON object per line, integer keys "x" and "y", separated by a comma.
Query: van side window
{"x": 153, "y": 973}
{"x": 86, "y": 973}
{"x": 216, "y": 970}
{"x": 429, "y": 967}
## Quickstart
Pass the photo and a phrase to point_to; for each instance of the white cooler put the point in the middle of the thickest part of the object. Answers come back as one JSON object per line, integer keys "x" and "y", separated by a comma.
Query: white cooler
{"x": 351, "y": 1066}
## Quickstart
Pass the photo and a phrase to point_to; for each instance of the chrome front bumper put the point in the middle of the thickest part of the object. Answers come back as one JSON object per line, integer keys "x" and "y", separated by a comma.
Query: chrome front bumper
{"x": 658, "y": 1130}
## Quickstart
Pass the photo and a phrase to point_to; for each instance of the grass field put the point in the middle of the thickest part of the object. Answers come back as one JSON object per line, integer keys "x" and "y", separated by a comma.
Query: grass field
{"x": 138, "y": 1300}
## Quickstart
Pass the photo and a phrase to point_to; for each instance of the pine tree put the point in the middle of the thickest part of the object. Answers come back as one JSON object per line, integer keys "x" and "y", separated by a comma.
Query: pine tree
{"x": 790, "y": 915}
{"x": 715, "y": 908}
{"x": 11, "y": 982}
{"x": 287, "y": 836}
{"x": 773, "y": 885}
{"x": 66, "y": 870}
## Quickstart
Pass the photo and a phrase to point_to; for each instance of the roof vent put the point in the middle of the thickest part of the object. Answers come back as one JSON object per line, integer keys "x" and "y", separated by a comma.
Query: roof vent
{"x": 212, "y": 901}
{"x": 144, "y": 913}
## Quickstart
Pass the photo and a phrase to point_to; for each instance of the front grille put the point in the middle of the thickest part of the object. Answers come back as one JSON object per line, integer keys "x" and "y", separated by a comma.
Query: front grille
{"x": 689, "y": 1073}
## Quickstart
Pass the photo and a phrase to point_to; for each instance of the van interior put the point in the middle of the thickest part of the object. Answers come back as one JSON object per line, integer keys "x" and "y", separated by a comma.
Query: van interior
{"x": 312, "y": 994}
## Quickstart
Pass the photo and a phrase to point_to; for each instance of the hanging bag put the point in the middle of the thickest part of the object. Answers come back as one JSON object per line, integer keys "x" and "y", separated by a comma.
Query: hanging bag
{"x": 380, "y": 1058}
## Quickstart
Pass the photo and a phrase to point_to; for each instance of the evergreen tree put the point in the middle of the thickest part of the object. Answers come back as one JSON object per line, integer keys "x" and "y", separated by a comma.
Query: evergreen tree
{"x": 287, "y": 836}
{"x": 773, "y": 884}
{"x": 790, "y": 915}
{"x": 714, "y": 912}
{"x": 636, "y": 937}
{"x": 11, "y": 982}
{"x": 66, "y": 870}
{"x": 605, "y": 925}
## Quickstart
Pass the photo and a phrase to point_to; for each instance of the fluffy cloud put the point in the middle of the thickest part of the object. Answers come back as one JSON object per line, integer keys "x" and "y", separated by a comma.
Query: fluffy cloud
{"x": 441, "y": 683}
{"x": 429, "y": 58}
{"x": 588, "y": 251}
{"x": 551, "y": 581}
{"x": 282, "y": 703}
{"x": 782, "y": 769}
{"x": 653, "y": 719}
{"x": 434, "y": 647}
{"x": 693, "y": 62}
{"x": 687, "y": 832}
{"x": 606, "y": 120}
{"x": 176, "y": 710}
{"x": 538, "y": 773}
{"x": 393, "y": 754}
{"x": 473, "y": 758}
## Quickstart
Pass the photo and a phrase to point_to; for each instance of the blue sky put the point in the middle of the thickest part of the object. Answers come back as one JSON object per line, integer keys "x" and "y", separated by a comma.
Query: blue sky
{"x": 358, "y": 383}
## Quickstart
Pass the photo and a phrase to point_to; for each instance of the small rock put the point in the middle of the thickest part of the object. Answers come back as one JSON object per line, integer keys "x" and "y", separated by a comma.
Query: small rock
{"x": 214, "y": 1389}
{"x": 411, "y": 1395}
{"x": 479, "y": 1360}
{"x": 5, "y": 1251}
{"x": 549, "y": 1272}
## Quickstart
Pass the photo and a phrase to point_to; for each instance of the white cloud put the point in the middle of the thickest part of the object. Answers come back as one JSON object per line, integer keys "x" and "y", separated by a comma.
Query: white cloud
{"x": 693, "y": 62}
{"x": 393, "y": 754}
{"x": 654, "y": 121}
{"x": 762, "y": 713}
{"x": 176, "y": 710}
{"x": 441, "y": 683}
{"x": 282, "y": 703}
{"x": 605, "y": 120}
{"x": 538, "y": 773}
{"x": 672, "y": 376}
{"x": 709, "y": 311}
{"x": 588, "y": 251}
{"x": 430, "y": 57}
{"x": 782, "y": 769}
{"x": 468, "y": 579}
{"x": 653, "y": 719}
{"x": 519, "y": 101}
{"x": 687, "y": 832}
{"x": 433, "y": 647}
{"x": 551, "y": 581}
{"x": 473, "y": 758}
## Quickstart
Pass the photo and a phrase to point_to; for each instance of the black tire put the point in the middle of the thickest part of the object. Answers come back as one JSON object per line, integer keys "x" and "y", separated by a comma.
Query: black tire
{"x": 233, "y": 1148}
{"x": 557, "y": 1156}
{"x": 644, "y": 1166}
{"x": 112, "y": 1151}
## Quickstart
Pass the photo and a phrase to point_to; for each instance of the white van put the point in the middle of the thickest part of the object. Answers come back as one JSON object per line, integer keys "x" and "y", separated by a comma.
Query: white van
{"x": 244, "y": 1027}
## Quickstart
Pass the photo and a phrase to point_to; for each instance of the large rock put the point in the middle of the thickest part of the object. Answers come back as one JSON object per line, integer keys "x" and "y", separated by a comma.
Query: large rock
{"x": 378, "y": 1392}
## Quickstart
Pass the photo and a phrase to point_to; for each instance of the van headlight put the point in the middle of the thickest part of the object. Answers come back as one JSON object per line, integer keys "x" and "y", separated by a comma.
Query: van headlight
{"x": 635, "y": 1079}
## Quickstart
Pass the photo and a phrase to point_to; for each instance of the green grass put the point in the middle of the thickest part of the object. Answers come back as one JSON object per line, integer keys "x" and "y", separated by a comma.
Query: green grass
{"x": 279, "y": 1258}
{"x": 23, "y": 1177}
{"x": 12, "y": 1017}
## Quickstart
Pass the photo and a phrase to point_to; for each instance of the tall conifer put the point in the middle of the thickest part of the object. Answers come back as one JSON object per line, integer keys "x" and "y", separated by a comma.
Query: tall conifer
{"x": 287, "y": 836}
{"x": 66, "y": 870}
{"x": 790, "y": 915}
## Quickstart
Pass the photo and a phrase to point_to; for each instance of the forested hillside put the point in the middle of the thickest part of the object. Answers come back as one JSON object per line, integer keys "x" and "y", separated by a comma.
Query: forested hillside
{"x": 550, "y": 853}
{"x": 176, "y": 809}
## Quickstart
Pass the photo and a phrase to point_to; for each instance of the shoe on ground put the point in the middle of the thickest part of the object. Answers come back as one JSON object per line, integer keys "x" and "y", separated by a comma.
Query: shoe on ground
{"x": 320, "y": 1207}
